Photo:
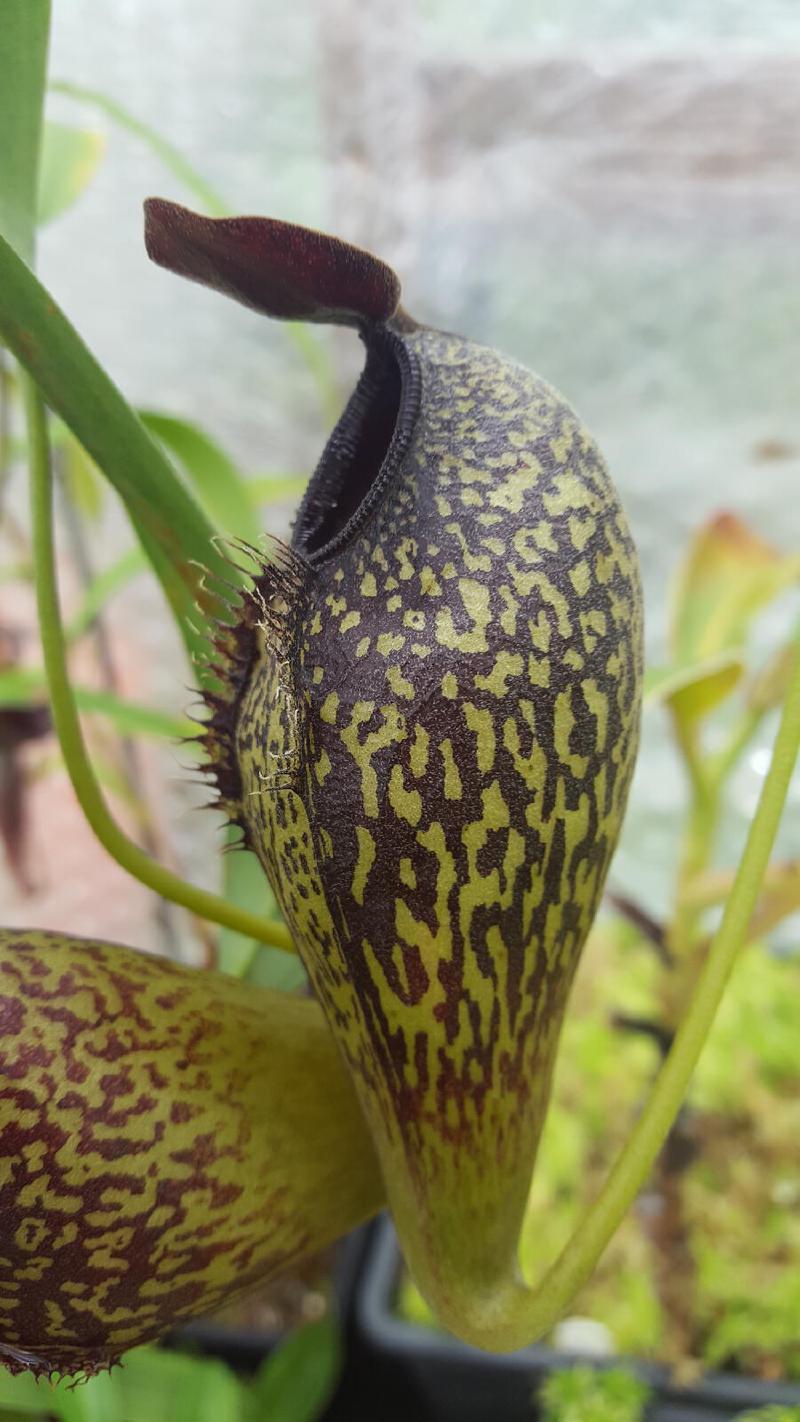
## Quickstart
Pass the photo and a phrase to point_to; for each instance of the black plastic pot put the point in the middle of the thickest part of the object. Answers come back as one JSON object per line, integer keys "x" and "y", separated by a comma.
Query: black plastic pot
{"x": 407, "y": 1371}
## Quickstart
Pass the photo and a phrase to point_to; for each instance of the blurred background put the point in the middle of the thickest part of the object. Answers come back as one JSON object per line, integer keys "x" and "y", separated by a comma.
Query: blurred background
{"x": 608, "y": 192}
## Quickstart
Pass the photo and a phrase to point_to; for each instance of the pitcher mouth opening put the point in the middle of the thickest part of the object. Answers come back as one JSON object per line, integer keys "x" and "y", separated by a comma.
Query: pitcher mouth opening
{"x": 365, "y": 450}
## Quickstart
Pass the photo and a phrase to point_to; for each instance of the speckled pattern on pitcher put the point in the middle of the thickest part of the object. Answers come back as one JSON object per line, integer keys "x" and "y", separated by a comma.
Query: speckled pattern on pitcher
{"x": 427, "y": 727}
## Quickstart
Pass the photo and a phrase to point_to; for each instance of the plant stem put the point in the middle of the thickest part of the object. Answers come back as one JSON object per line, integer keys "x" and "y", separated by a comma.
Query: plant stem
{"x": 685, "y": 941}
{"x": 707, "y": 777}
{"x": 515, "y": 1315}
{"x": 67, "y": 723}
{"x": 129, "y": 750}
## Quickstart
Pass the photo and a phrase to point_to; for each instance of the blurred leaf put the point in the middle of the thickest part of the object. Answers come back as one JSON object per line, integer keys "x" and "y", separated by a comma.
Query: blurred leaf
{"x": 693, "y": 691}
{"x": 16, "y": 572}
{"x": 174, "y": 532}
{"x": 780, "y": 894}
{"x": 284, "y": 972}
{"x": 245, "y": 884}
{"x": 97, "y": 1400}
{"x": 297, "y": 1380}
{"x": 152, "y": 1385}
{"x": 59, "y": 434}
{"x": 163, "y": 149}
{"x": 768, "y": 687}
{"x": 82, "y": 480}
{"x": 24, "y": 1395}
{"x": 103, "y": 587}
{"x": 729, "y": 574}
{"x": 19, "y": 685}
{"x": 131, "y": 718}
{"x": 221, "y": 489}
{"x": 69, "y": 160}
{"x": 23, "y": 67}
{"x": 160, "y": 1386}
{"x": 780, "y": 898}
{"x": 273, "y": 488}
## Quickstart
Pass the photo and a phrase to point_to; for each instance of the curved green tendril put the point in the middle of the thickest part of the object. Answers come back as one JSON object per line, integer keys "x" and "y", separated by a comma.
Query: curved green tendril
{"x": 65, "y": 715}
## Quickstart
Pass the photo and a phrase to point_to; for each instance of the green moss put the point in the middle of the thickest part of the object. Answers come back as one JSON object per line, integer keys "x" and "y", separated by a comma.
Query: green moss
{"x": 593, "y": 1395}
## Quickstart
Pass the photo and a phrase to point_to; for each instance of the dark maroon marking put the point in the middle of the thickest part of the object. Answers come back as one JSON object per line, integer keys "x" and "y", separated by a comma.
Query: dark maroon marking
{"x": 12, "y": 1015}
{"x": 26, "y": 1056}
{"x": 277, "y": 268}
{"x": 181, "y": 1111}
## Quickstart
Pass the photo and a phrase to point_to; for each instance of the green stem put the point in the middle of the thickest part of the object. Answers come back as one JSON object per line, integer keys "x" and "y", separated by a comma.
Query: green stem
{"x": 696, "y": 848}
{"x": 519, "y": 1315}
{"x": 707, "y": 777}
{"x": 67, "y": 723}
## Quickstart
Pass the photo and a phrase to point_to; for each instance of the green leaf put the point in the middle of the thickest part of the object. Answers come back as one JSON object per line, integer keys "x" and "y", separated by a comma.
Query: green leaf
{"x": 19, "y": 686}
{"x": 82, "y": 480}
{"x": 165, "y": 151}
{"x": 297, "y": 1380}
{"x": 69, "y": 160}
{"x": 160, "y": 1386}
{"x": 24, "y": 1395}
{"x": 172, "y": 529}
{"x": 132, "y": 718}
{"x": 97, "y": 1400}
{"x": 23, "y": 67}
{"x": 223, "y": 492}
{"x": 729, "y": 575}
{"x": 152, "y": 1385}
{"x": 245, "y": 884}
{"x": 103, "y": 587}
{"x": 283, "y": 972}
{"x": 692, "y": 691}
{"x": 767, "y": 688}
